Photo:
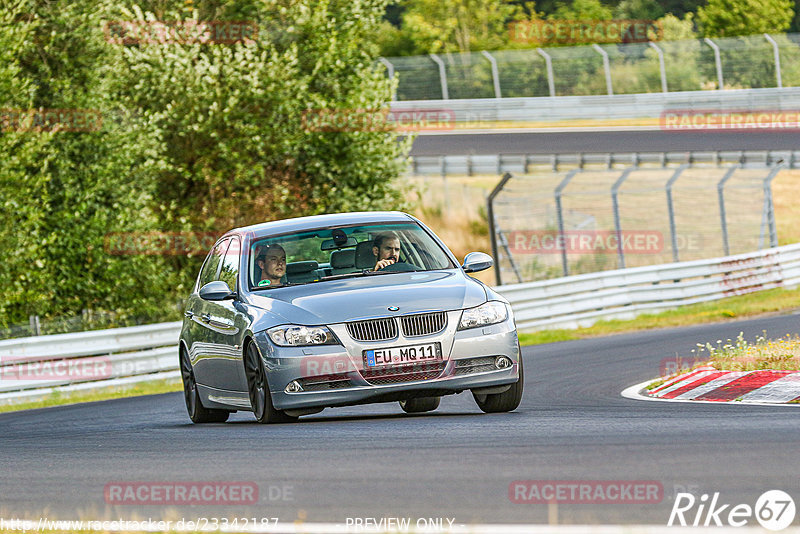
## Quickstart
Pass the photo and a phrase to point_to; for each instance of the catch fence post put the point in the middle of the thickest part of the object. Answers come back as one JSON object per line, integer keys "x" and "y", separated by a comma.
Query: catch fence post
{"x": 492, "y": 224}
{"x": 717, "y": 60}
{"x": 723, "y": 219}
{"x": 495, "y": 73}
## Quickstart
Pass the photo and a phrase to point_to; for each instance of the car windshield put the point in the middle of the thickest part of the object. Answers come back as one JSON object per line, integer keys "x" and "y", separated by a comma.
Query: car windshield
{"x": 333, "y": 253}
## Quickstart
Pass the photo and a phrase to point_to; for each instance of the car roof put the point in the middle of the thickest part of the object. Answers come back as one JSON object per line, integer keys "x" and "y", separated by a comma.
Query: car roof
{"x": 300, "y": 224}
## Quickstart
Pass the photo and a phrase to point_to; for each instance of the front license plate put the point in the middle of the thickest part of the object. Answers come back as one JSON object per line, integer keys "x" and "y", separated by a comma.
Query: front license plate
{"x": 425, "y": 352}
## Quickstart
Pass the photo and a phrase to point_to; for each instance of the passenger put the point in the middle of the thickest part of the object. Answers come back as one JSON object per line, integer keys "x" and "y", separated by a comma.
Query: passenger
{"x": 386, "y": 248}
{"x": 272, "y": 262}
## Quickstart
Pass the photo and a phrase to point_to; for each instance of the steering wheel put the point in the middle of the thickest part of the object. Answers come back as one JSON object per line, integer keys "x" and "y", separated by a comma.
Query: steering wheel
{"x": 400, "y": 267}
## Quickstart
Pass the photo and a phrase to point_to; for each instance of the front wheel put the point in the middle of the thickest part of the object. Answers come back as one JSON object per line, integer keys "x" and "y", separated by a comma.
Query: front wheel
{"x": 197, "y": 412}
{"x": 506, "y": 401}
{"x": 424, "y": 404}
{"x": 257, "y": 387}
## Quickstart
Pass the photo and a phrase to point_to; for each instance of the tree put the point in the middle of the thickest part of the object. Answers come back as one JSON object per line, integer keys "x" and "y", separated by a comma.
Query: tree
{"x": 639, "y": 10}
{"x": 212, "y": 135}
{"x": 582, "y": 10}
{"x": 458, "y": 25}
{"x": 730, "y": 18}
{"x": 66, "y": 185}
{"x": 240, "y": 134}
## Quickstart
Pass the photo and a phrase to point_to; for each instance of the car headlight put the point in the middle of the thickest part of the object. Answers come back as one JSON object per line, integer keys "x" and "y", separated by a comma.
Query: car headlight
{"x": 489, "y": 313}
{"x": 293, "y": 335}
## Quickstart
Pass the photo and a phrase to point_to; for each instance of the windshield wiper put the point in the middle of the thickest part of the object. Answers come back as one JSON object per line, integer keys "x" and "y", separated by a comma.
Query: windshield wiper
{"x": 259, "y": 288}
{"x": 345, "y": 275}
{"x": 373, "y": 273}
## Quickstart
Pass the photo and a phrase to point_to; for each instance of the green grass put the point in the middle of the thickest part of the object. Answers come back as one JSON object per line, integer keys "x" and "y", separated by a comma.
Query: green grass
{"x": 134, "y": 390}
{"x": 781, "y": 354}
{"x": 740, "y": 307}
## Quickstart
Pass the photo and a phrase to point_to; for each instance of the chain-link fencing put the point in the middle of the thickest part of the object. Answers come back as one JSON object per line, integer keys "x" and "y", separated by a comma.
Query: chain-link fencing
{"x": 757, "y": 61}
{"x": 550, "y": 224}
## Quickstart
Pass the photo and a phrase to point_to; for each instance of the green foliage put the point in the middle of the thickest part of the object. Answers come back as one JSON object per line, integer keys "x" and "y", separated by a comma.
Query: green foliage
{"x": 582, "y": 10}
{"x": 639, "y": 10}
{"x": 64, "y": 191}
{"x": 234, "y": 131}
{"x": 729, "y": 18}
{"x": 195, "y": 137}
{"x": 457, "y": 25}
{"x": 676, "y": 29}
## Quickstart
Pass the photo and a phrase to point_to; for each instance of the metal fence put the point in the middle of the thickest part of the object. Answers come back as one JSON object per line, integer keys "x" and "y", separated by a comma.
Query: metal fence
{"x": 580, "y": 300}
{"x": 32, "y": 368}
{"x": 478, "y": 164}
{"x": 87, "y": 320}
{"x": 759, "y": 61}
{"x": 587, "y": 219}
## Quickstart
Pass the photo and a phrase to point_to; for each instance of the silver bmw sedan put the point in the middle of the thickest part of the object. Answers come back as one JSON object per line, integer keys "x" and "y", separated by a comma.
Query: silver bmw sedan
{"x": 290, "y": 317}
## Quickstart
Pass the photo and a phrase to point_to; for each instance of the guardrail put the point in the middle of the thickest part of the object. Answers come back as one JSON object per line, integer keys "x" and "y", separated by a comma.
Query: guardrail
{"x": 580, "y": 300}
{"x": 145, "y": 352}
{"x": 44, "y": 362}
{"x": 476, "y": 111}
{"x": 471, "y": 164}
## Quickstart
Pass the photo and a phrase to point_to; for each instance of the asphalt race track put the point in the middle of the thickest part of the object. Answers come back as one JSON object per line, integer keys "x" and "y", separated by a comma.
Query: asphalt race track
{"x": 374, "y": 461}
{"x": 601, "y": 141}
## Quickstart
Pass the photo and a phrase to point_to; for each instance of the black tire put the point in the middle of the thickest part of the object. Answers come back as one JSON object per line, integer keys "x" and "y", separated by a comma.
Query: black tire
{"x": 419, "y": 405}
{"x": 197, "y": 412}
{"x": 503, "y": 402}
{"x": 258, "y": 388}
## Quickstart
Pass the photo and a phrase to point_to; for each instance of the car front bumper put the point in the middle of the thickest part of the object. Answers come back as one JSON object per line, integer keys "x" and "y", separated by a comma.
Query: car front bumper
{"x": 333, "y": 374}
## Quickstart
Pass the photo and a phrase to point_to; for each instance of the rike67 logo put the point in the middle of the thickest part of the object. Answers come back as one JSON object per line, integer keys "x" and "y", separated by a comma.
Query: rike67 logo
{"x": 774, "y": 510}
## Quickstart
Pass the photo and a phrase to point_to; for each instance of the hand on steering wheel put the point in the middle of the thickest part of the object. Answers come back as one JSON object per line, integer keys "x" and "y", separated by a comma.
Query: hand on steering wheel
{"x": 382, "y": 264}
{"x": 399, "y": 267}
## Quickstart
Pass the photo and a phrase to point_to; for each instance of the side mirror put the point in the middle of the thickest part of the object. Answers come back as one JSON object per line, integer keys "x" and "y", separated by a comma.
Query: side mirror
{"x": 477, "y": 261}
{"x": 217, "y": 290}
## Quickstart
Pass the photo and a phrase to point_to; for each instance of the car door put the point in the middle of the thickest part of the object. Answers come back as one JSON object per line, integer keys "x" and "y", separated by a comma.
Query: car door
{"x": 226, "y": 324}
{"x": 197, "y": 310}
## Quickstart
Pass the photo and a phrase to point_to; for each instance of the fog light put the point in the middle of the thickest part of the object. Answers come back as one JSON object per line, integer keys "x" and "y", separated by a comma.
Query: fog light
{"x": 503, "y": 362}
{"x": 294, "y": 387}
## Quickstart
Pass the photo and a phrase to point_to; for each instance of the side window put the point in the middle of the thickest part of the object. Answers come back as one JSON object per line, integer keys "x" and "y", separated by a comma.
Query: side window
{"x": 230, "y": 264}
{"x": 209, "y": 272}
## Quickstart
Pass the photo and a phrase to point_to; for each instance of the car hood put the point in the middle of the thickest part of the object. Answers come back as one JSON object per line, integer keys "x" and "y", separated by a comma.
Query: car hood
{"x": 349, "y": 299}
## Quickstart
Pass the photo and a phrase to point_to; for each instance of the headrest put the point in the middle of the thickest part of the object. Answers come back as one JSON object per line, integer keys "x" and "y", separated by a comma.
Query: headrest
{"x": 365, "y": 259}
{"x": 341, "y": 259}
{"x": 298, "y": 267}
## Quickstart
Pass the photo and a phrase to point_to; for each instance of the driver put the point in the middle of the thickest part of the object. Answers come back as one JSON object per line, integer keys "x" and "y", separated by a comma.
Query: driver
{"x": 386, "y": 248}
{"x": 272, "y": 262}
